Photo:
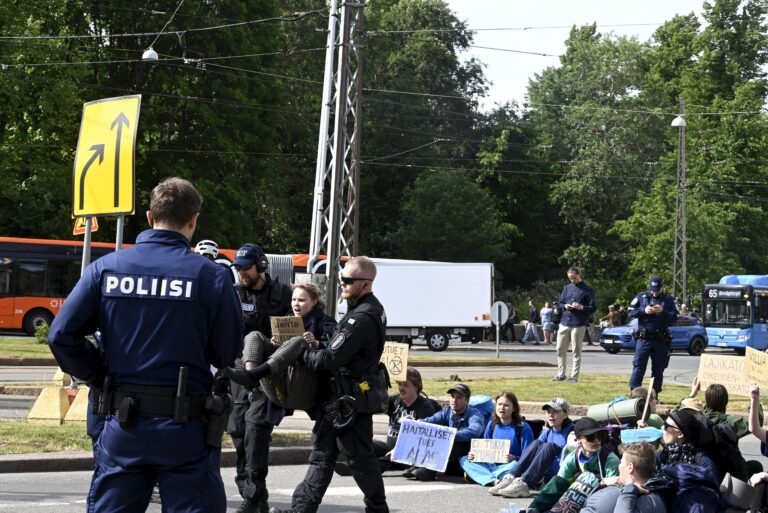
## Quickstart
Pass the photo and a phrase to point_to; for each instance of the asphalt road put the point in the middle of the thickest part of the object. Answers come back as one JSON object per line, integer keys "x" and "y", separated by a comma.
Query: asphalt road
{"x": 65, "y": 491}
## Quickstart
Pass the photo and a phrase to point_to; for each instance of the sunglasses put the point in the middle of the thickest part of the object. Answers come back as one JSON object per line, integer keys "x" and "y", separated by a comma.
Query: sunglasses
{"x": 243, "y": 267}
{"x": 591, "y": 437}
{"x": 349, "y": 281}
{"x": 670, "y": 426}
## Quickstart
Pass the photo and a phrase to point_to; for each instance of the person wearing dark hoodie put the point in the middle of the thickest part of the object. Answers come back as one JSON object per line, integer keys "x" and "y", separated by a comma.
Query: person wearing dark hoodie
{"x": 684, "y": 463}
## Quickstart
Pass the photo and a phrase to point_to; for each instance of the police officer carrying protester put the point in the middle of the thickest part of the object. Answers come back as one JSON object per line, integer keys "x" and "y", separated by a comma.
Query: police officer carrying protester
{"x": 655, "y": 312}
{"x": 254, "y": 416}
{"x": 165, "y": 316}
{"x": 358, "y": 390}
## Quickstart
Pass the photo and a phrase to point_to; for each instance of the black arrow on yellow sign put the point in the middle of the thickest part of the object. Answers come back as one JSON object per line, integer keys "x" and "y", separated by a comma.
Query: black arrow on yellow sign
{"x": 120, "y": 120}
{"x": 99, "y": 152}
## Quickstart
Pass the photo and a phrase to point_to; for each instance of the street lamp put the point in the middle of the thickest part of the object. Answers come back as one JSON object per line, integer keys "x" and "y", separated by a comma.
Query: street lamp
{"x": 149, "y": 54}
{"x": 680, "y": 281}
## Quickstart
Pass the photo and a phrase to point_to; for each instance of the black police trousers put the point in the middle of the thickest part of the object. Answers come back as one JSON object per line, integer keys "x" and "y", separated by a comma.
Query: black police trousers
{"x": 252, "y": 451}
{"x": 356, "y": 443}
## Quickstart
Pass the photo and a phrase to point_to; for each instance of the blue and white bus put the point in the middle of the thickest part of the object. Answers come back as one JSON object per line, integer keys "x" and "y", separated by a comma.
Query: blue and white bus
{"x": 735, "y": 312}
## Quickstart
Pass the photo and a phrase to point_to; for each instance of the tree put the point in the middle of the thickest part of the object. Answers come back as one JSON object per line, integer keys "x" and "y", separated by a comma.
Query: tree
{"x": 436, "y": 227}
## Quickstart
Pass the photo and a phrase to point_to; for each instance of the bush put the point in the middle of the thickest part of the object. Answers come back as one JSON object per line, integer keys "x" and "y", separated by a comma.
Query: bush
{"x": 41, "y": 333}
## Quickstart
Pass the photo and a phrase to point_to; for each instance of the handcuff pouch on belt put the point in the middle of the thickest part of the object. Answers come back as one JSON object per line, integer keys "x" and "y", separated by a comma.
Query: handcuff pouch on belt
{"x": 369, "y": 390}
{"x": 663, "y": 335}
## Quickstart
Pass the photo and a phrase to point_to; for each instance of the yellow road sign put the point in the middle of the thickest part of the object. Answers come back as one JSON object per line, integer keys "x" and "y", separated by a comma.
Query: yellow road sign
{"x": 103, "y": 177}
{"x": 79, "y": 228}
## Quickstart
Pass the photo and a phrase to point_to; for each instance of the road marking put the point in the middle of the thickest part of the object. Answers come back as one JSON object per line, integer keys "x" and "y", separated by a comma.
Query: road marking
{"x": 33, "y": 504}
{"x": 354, "y": 491}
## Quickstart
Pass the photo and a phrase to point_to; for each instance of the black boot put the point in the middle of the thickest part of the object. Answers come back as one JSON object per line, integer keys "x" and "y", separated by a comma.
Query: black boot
{"x": 249, "y": 506}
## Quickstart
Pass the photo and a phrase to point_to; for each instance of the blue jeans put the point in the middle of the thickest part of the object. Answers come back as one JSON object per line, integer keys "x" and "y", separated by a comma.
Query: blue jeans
{"x": 531, "y": 328}
{"x": 539, "y": 461}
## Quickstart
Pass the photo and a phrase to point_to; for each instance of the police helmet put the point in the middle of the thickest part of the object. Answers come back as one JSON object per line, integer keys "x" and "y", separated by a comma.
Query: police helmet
{"x": 208, "y": 249}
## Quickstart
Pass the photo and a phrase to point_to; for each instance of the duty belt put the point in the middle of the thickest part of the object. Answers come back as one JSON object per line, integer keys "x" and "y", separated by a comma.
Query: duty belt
{"x": 155, "y": 401}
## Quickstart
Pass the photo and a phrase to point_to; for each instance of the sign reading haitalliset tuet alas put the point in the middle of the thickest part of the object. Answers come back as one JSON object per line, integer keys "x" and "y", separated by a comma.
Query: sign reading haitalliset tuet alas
{"x": 103, "y": 175}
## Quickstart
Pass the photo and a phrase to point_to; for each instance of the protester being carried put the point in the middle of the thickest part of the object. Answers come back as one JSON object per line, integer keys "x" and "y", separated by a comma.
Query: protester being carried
{"x": 469, "y": 424}
{"x": 633, "y": 491}
{"x": 541, "y": 459}
{"x": 589, "y": 456}
{"x": 506, "y": 424}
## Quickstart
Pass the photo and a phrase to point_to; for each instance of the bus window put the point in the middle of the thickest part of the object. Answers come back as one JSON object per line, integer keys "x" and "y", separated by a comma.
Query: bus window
{"x": 761, "y": 309}
{"x": 61, "y": 277}
{"x": 30, "y": 277}
{"x": 5, "y": 282}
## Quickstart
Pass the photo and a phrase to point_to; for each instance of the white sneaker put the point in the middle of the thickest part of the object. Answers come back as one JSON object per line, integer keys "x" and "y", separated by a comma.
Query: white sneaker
{"x": 516, "y": 489}
{"x": 501, "y": 483}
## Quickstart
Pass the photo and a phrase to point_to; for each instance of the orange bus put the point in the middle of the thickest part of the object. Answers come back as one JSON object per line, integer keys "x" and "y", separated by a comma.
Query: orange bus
{"x": 35, "y": 277}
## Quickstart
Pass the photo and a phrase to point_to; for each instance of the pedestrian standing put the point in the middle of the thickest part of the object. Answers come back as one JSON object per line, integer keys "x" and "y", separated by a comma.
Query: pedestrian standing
{"x": 577, "y": 302}
{"x": 655, "y": 312}
{"x": 532, "y": 326}
{"x": 547, "y": 323}
{"x": 165, "y": 316}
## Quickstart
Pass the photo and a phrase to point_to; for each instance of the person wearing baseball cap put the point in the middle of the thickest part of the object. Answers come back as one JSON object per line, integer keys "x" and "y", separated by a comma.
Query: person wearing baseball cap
{"x": 655, "y": 311}
{"x": 586, "y": 458}
{"x": 541, "y": 459}
{"x": 469, "y": 423}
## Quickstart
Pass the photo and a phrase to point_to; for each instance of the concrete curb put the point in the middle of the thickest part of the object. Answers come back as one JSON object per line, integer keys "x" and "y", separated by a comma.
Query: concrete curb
{"x": 83, "y": 461}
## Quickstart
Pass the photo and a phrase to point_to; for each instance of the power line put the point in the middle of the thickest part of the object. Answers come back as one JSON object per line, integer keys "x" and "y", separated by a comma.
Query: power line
{"x": 513, "y": 51}
{"x": 289, "y": 17}
{"x": 167, "y": 23}
{"x": 504, "y": 29}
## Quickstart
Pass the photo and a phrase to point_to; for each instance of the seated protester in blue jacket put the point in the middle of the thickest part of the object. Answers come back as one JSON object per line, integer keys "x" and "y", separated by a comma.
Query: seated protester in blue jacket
{"x": 589, "y": 457}
{"x": 634, "y": 490}
{"x": 469, "y": 424}
{"x": 541, "y": 459}
{"x": 409, "y": 404}
{"x": 506, "y": 424}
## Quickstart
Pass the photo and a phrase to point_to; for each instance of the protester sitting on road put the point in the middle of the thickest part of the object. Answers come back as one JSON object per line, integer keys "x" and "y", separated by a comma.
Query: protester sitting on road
{"x": 716, "y": 402}
{"x": 469, "y": 424}
{"x": 506, "y": 424}
{"x": 683, "y": 461}
{"x": 541, "y": 459}
{"x": 634, "y": 490}
{"x": 409, "y": 404}
{"x": 589, "y": 456}
{"x": 653, "y": 419}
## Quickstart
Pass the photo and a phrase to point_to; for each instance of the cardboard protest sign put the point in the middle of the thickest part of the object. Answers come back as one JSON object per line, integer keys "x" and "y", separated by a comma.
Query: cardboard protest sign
{"x": 490, "y": 451}
{"x": 756, "y": 367}
{"x": 424, "y": 445}
{"x": 395, "y": 357}
{"x": 726, "y": 370}
{"x": 285, "y": 328}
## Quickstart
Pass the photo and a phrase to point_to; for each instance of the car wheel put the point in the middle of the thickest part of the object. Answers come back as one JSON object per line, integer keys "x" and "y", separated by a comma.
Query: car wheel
{"x": 611, "y": 350}
{"x": 437, "y": 340}
{"x": 36, "y": 318}
{"x": 697, "y": 346}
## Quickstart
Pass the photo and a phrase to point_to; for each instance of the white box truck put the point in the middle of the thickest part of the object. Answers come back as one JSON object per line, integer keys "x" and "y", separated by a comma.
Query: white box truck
{"x": 435, "y": 299}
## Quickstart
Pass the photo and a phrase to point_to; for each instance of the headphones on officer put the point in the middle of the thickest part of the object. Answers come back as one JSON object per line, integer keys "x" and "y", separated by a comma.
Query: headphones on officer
{"x": 262, "y": 264}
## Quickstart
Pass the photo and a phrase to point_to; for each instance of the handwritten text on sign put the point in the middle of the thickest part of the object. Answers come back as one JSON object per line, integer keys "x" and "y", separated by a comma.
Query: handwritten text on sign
{"x": 726, "y": 370}
{"x": 395, "y": 357}
{"x": 424, "y": 445}
{"x": 490, "y": 451}
{"x": 756, "y": 367}
{"x": 285, "y": 328}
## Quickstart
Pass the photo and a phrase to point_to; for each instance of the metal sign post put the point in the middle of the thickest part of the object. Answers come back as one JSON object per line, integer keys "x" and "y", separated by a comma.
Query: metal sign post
{"x": 499, "y": 315}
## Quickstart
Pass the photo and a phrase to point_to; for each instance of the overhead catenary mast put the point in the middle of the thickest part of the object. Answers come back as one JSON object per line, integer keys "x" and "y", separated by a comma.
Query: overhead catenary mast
{"x": 335, "y": 213}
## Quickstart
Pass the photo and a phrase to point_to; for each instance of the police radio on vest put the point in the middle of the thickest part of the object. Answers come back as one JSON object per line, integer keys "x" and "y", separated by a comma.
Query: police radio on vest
{"x": 125, "y": 285}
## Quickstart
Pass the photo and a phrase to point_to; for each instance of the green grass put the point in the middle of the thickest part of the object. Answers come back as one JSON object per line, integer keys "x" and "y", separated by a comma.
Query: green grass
{"x": 20, "y": 437}
{"x": 591, "y": 389}
{"x": 16, "y": 347}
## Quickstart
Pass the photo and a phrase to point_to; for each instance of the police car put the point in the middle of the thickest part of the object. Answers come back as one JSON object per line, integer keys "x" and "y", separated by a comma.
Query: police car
{"x": 687, "y": 334}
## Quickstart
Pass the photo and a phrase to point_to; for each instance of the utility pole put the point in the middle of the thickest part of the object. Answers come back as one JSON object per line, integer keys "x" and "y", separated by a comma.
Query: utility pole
{"x": 680, "y": 272}
{"x": 335, "y": 221}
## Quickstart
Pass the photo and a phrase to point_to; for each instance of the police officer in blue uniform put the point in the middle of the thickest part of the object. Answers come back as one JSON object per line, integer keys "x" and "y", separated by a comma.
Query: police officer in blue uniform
{"x": 165, "y": 316}
{"x": 255, "y": 416}
{"x": 655, "y": 311}
{"x": 358, "y": 390}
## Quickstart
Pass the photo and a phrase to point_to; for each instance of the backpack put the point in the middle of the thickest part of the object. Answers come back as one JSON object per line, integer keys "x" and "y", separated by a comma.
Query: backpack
{"x": 692, "y": 490}
{"x": 724, "y": 451}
